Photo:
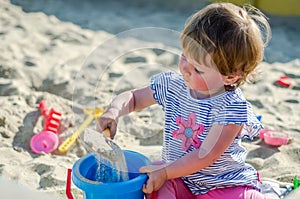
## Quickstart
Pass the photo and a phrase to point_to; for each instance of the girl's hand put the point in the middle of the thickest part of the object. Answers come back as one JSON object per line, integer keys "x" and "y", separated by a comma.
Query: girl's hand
{"x": 124, "y": 104}
{"x": 157, "y": 177}
{"x": 107, "y": 121}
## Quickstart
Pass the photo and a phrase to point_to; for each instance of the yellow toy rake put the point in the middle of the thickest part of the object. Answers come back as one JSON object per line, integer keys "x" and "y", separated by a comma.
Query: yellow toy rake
{"x": 92, "y": 114}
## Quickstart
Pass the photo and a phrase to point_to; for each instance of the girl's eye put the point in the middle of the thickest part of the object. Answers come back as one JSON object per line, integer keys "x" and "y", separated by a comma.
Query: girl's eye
{"x": 199, "y": 72}
{"x": 183, "y": 57}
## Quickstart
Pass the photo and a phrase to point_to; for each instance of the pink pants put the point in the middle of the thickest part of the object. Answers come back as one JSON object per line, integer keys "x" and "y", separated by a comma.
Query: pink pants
{"x": 176, "y": 189}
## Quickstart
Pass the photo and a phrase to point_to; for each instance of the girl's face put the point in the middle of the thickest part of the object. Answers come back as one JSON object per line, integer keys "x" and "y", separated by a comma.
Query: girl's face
{"x": 205, "y": 80}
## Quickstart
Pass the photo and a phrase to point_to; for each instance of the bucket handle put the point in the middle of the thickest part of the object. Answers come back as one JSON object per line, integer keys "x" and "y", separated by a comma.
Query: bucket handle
{"x": 153, "y": 195}
{"x": 68, "y": 185}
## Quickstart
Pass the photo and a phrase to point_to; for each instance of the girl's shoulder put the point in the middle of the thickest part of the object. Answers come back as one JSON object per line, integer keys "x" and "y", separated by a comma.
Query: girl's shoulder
{"x": 171, "y": 75}
{"x": 228, "y": 97}
{"x": 168, "y": 77}
{"x": 235, "y": 97}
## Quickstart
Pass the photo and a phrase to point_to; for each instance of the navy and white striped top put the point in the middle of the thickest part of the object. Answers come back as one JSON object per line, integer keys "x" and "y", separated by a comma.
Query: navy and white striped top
{"x": 187, "y": 122}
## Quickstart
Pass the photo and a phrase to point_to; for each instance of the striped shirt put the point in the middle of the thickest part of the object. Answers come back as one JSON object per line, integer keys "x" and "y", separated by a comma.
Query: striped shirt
{"x": 229, "y": 107}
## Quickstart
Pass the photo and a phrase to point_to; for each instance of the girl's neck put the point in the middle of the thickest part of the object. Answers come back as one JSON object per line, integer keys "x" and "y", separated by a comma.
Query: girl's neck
{"x": 206, "y": 94}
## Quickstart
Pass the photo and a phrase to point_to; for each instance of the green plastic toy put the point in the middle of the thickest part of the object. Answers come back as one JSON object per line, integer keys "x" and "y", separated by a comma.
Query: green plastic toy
{"x": 296, "y": 182}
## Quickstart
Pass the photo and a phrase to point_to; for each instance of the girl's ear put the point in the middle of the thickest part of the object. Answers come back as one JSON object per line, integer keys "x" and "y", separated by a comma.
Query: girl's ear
{"x": 230, "y": 80}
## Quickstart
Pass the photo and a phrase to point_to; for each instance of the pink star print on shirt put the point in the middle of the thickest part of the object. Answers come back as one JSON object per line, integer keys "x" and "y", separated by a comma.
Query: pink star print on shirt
{"x": 188, "y": 132}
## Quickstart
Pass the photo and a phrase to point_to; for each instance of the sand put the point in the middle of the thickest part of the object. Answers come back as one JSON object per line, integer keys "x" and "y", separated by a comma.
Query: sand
{"x": 80, "y": 54}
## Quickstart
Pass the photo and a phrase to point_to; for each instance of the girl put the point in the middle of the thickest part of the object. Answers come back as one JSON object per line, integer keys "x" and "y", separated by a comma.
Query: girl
{"x": 206, "y": 114}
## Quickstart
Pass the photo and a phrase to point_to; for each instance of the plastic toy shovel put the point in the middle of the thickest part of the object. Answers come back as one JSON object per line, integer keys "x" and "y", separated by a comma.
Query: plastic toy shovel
{"x": 92, "y": 114}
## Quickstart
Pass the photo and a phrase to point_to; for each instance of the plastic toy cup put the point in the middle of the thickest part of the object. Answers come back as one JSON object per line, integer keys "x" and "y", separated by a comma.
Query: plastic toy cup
{"x": 130, "y": 189}
{"x": 284, "y": 81}
{"x": 45, "y": 141}
{"x": 274, "y": 137}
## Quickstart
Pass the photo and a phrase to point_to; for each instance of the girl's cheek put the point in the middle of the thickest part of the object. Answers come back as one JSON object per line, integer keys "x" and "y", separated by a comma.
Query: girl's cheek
{"x": 201, "y": 83}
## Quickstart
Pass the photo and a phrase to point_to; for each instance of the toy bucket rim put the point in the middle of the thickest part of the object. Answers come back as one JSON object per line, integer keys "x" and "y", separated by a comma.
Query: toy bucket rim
{"x": 96, "y": 187}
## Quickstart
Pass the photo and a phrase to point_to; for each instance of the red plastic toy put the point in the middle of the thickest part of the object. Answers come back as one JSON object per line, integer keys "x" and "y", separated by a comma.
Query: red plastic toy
{"x": 52, "y": 117}
{"x": 47, "y": 141}
{"x": 284, "y": 81}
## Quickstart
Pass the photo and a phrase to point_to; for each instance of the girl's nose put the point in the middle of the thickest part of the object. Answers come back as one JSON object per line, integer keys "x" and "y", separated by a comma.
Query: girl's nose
{"x": 187, "y": 69}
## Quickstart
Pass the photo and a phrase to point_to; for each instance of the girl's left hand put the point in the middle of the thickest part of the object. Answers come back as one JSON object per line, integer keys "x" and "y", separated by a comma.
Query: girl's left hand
{"x": 156, "y": 177}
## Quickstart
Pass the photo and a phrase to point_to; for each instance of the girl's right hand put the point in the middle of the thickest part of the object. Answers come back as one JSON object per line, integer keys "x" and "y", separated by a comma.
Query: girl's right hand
{"x": 124, "y": 104}
{"x": 107, "y": 121}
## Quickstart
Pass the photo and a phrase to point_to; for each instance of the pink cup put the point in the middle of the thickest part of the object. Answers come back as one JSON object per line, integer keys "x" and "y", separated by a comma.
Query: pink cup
{"x": 274, "y": 137}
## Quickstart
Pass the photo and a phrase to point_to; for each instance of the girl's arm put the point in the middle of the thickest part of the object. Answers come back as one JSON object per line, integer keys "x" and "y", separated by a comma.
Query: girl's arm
{"x": 215, "y": 144}
{"x": 217, "y": 141}
{"x": 124, "y": 104}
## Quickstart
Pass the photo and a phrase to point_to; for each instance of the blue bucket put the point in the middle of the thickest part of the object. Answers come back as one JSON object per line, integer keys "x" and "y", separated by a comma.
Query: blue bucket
{"x": 131, "y": 189}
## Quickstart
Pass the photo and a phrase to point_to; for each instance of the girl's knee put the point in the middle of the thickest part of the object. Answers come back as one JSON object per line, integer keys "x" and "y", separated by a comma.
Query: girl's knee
{"x": 255, "y": 194}
{"x": 167, "y": 190}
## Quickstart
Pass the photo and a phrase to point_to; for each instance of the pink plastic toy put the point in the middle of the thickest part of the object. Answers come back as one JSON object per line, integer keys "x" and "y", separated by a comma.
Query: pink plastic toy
{"x": 45, "y": 141}
{"x": 274, "y": 137}
{"x": 52, "y": 117}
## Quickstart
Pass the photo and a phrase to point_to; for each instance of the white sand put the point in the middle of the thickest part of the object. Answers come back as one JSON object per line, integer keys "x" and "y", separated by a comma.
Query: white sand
{"x": 79, "y": 54}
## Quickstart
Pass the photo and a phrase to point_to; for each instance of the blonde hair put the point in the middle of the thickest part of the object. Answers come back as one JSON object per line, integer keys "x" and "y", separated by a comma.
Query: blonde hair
{"x": 234, "y": 37}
